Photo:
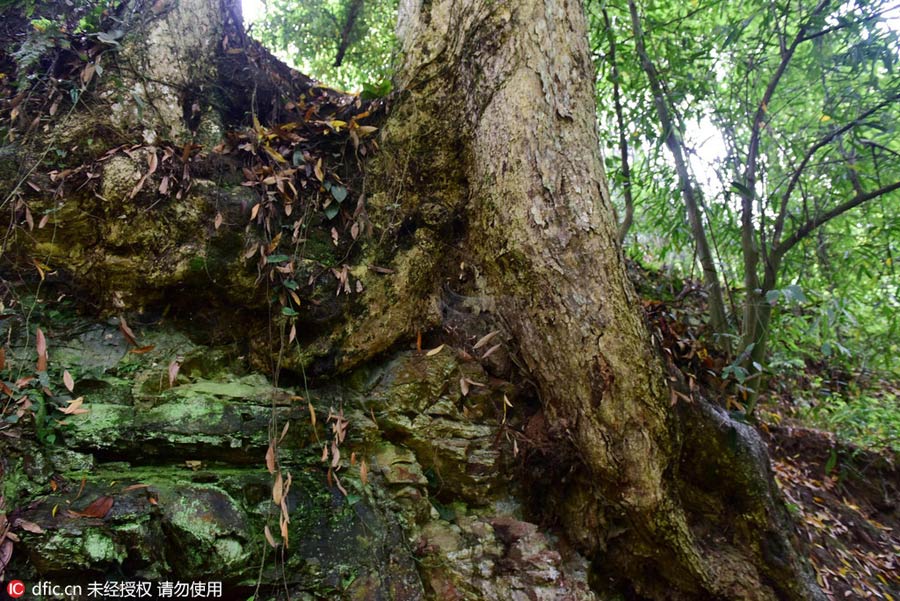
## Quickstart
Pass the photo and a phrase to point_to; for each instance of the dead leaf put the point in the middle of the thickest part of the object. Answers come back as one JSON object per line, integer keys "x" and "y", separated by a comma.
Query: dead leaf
{"x": 485, "y": 339}
{"x": 269, "y": 538}
{"x": 491, "y": 350}
{"x": 363, "y": 472}
{"x": 337, "y": 482}
{"x": 99, "y": 508}
{"x": 283, "y": 522}
{"x": 270, "y": 458}
{"x": 194, "y": 464}
{"x": 174, "y": 366}
{"x": 142, "y": 350}
{"x": 75, "y": 407}
{"x": 126, "y": 331}
{"x": 464, "y": 386}
{"x": 434, "y": 351}
{"x": 68, "y": 381}
{"x": 335, "y": 454}
{"x": 217, "y": 223}
{"x": 87, "y": 73}
{"x": 28, "y": 526}
{"x": 277, "y": 489}
{"x": 2, "y": 358}
{"x": 41, "y": 343}
{"x": 318, "y": 170}
{"x": 284, "y": 431}
{"x": 135, "y": 487}
{"x": 312, "y": 415}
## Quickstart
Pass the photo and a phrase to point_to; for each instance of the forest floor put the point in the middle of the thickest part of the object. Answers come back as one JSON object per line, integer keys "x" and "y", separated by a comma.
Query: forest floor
{"x": 842, "y": 486}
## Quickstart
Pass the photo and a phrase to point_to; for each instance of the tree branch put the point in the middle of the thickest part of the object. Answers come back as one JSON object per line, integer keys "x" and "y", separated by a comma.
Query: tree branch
{"x": 352, "y": 15}
{"x": 808, "y": 227}
{"x": 812, "y": 150}
{"x": 620, "y": 123}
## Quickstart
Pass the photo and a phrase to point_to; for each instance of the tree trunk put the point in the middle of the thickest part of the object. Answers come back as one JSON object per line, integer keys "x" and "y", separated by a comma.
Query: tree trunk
{"x": 716, "y": 299}
{"x": 501, "y": 94}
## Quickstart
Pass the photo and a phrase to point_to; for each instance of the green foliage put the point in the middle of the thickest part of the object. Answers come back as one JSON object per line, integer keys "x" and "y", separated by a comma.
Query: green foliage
{"x": 866, "y": 418}
{"x": 311, "y": 35}
{"x": 827, "y": 134}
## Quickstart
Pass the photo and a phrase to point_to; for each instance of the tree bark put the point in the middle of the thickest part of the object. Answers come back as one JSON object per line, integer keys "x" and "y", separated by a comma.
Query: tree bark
{"x": 501, "y": 94}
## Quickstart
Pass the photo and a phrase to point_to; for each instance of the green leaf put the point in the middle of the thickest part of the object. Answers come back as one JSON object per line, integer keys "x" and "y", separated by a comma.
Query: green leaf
{"x": 339, "y": 192}
{"x": 289, "y": 312}
{"x": 332, "y": 210}
{"x": 372, "y": 91}
{"x": 741, "y": 189}
{"x": 290, "y": 284}
{"x": 271, "y": 259}
{"x": 832, "y": 461}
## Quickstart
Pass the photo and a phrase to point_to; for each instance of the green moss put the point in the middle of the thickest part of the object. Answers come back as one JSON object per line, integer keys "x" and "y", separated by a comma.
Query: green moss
{"x": 252, "y": 387}
{"x": 16, "y": 485}
{"x": 100, "y": 548}
{"x": 101, "y": 426}
{"x": 197, "y": 263}
{"x": 231, "y": 550}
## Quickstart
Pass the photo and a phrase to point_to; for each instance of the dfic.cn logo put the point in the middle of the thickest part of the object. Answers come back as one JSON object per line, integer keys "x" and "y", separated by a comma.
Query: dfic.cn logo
{"x": 15, "y": 588}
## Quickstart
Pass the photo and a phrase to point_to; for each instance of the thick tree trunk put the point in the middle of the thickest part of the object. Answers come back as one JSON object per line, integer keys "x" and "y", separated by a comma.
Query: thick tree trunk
{"x": 500, "y": 94}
